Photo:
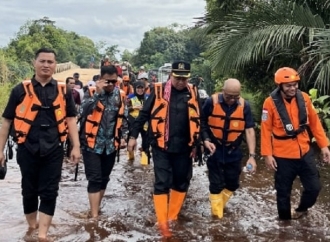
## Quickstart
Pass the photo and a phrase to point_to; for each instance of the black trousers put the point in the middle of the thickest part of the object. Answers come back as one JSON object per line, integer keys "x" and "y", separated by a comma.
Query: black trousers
{"x": 40, "y": 178}
{"x": 144, "y": 136}
{"x": 223, "y": 174}
{"x": 98, "y": 169}
{"x": 287, "y": 171}
{"x": 172, "y": 171}
{"x": 145, "y": 143}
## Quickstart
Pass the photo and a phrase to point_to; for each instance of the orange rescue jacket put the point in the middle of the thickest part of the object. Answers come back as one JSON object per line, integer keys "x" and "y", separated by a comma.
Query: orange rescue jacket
{"x": 94, "y": 119}
{"x": 127, "y": 89}
{"x": 91, "y": 91}
{"x": 283, "y": 138}
{"x": 159, "y": 116}
{"x": 217, "y": 120}
{"x": 147, "y": 90}
{"x": 28, "y": 109}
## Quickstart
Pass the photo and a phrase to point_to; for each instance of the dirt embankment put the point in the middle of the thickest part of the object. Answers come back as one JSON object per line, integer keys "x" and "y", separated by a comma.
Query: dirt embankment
{"x": 85, "y": 74}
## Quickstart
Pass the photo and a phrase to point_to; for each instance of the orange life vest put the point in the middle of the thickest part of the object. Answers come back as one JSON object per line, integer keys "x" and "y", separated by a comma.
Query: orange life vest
{"x": 159, "y": 115}
{"x": 91, "y": 91}
{"x": 217, "y": 120}
{"x": 147, "y": 90}
{"x": 94, "y": 119}
{"x": 127, "y": 89}
{"x": 28, "y": 109}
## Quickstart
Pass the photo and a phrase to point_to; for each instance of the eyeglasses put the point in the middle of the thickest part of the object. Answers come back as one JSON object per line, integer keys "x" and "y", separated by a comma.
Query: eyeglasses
{"x": 230, "y": 97}
{"x": 110, "y": 81}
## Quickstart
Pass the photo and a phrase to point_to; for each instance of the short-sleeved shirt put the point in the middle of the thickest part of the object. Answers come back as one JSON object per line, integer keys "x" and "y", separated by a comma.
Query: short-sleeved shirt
{"x": 40, "y": 139}
{"x": 234, "y": 154}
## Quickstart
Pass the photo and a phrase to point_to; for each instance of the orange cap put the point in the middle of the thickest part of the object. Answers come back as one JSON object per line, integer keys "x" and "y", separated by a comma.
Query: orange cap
{"x": 125, "y": 78}
{"x": 286, "y": 75}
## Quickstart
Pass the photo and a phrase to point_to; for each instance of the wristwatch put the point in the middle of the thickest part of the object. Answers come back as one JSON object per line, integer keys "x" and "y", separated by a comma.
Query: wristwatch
{"x": 252, "y": 155}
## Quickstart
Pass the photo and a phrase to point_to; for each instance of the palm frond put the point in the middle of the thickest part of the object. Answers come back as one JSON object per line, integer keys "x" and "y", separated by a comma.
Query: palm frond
{"x": 318, "y": 54}
{"x": 267, "y": 30}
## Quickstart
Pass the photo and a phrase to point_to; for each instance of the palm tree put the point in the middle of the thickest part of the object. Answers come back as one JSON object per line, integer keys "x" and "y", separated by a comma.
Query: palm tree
{"x": 282, "y": 32}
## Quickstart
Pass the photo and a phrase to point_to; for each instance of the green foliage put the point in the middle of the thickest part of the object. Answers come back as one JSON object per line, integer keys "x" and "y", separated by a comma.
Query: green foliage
{"x": 322, "y": 107}
{"x": 167, "y": 44}
{"x": 16, "y": 59}
{"x": 251, "y": 39}
{"x": 43, "y": 33}
{"x": 255, "y": 99}
{"x": 127, "y": 56}
{"x": 4, "y": 95}
{"x": 202, "y": 67}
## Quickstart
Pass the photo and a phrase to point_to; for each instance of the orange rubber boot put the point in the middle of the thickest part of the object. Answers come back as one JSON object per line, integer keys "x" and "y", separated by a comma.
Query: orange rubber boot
{"x": 175, "y": 204}
{"x": 161, "y": 209}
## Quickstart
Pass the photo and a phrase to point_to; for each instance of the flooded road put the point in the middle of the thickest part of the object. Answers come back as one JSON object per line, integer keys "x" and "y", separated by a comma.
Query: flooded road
{"x": 127, "y": 211}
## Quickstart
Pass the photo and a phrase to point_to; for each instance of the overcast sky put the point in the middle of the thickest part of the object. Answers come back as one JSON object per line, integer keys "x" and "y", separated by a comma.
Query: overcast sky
{"x": 121, "y": 22}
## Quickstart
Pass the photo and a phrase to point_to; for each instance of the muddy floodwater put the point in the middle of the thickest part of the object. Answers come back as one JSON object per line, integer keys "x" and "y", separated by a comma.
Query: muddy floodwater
{"x": 127, "y": 210}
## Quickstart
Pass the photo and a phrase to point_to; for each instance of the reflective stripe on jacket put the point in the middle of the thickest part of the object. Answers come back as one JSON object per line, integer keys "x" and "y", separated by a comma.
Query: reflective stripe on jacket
{"x": 159, "y": 116}
{"x": 218, "y": 119}
{"x": 298, "y": 145}
{"x": 28, "y": 109}
{"x": 289, "y": 131}
{"x": 135, "y": 112}
{"x": 93, "y": 122}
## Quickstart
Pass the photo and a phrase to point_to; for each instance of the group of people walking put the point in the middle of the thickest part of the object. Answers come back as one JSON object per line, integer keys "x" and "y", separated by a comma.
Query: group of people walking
{"x": 169, "y": 116}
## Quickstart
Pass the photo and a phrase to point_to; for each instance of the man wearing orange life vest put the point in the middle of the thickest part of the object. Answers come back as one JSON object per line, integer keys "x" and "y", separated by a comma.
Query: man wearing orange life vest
{"x": 101, "y": 134}
{"x": 125, "y": 86}
{"x": 173, "y": 112}
{"x": 40, "y": 111}
{"x": 285, "y": 143}
{"x": 228, "y": 117}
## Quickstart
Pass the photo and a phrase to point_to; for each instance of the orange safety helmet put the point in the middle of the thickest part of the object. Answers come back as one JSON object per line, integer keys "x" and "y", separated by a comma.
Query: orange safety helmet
{"x": 286, "y": 75}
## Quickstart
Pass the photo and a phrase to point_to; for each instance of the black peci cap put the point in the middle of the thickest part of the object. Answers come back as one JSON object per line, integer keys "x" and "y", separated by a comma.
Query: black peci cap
{"x": 181, "y": 69}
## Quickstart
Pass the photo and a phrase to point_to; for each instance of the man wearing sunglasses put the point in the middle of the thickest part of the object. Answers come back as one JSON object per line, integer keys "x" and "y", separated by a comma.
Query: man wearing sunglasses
{"x": 227, "y": 118}
{"x": 173, "y": 112}
{"x": 101, "y": 128}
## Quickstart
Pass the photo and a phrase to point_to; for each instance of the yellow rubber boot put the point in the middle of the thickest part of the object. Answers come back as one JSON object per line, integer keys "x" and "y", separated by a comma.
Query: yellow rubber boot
{"x": 130, "y": 155}
{"x": 144, "y": 158}
{"x": 161, "y": 209}
{"x": 226, "y": 194}
{"x": 175, "y": 204}
{"x": 216, "y": 205}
